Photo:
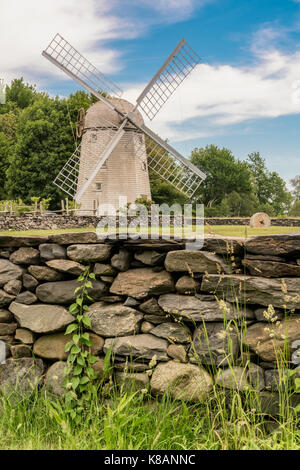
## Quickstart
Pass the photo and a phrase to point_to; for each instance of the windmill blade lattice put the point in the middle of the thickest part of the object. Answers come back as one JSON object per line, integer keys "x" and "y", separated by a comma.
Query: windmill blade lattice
{"x": 169, "y": 165}
{"x": 67, "y": 178}
{"x": 67, "y": 58}
{"x": 172, "y": 73}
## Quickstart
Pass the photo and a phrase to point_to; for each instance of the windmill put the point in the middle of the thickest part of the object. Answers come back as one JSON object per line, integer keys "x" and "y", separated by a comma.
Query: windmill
{"x": 117, "y": 148}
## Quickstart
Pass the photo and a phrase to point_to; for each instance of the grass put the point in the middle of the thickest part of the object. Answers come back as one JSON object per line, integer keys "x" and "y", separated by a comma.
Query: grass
{"x": 131, "y": 422}
{"x": 224, "y": 230}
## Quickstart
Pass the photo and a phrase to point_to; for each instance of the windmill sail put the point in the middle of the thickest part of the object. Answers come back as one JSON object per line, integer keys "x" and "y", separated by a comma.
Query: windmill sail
{"x": 67, "y": 58}
{"x": 176, "y": 68}
{"x": 67, "y": 178}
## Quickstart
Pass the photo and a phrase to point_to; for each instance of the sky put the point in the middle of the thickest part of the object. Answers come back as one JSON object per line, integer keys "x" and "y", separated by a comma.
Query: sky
{"x": 244, "y": 94}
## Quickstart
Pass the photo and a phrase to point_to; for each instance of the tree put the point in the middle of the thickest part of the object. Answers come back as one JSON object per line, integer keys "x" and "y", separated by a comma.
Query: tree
{"x": 225, "y": 174}
{"x": 20, "y": 93}
{"x": 269, "y": 187}
{"x": 295, "y": 182}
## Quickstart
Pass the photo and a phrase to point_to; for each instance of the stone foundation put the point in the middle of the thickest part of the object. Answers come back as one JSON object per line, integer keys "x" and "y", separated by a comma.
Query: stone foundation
{"x": 170, "y": 315}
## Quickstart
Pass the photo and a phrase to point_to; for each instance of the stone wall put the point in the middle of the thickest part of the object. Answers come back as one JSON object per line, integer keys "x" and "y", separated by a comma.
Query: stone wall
{"x": 171, "y": 315}
{"x": 65, "y": 222}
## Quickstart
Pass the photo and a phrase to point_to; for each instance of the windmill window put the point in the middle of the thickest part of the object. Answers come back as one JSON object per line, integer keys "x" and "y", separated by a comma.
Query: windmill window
{"x": 98, "y": 186}
{"x": 94, "y": 137}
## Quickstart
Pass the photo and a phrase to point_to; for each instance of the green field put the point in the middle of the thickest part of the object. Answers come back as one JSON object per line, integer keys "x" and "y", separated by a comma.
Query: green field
{"x": 224, "y": 230}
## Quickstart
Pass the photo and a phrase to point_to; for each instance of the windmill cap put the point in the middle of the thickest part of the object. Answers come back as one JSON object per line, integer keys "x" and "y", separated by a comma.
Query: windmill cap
{"x": 99, "y": 112}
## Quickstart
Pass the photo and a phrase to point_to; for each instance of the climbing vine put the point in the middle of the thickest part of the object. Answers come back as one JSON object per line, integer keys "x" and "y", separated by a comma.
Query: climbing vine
{"x": 79, "y": 373}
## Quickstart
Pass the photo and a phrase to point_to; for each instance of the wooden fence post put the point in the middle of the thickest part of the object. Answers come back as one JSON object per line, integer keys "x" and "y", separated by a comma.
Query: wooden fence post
{"x": 62, "y": 207}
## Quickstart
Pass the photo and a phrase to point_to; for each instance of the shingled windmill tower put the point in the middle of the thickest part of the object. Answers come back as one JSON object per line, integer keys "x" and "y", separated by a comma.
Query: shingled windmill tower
{"x": 117, "y": 149}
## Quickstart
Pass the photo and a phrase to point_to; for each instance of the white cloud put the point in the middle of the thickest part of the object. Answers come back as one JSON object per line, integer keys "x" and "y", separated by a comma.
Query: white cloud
{"x": 222, "y": 95}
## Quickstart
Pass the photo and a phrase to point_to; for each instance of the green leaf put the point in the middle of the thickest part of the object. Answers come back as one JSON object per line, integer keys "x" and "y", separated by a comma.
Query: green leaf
{"x": 79, "y": 301}
{"x": 92, "y": 359}
{"x": 77, "y": 370}
{"x": 76, "y": 338}
{"x": 75, "y": 382}
{"x": 88, "y": 285}
{"x": 75, "y": 350}
{"x": 84, "y": 380}
{"x": 86, "y": 321}
{"x": 68, "y": 346}
{"x": 71, "y": 328}
{"x": 80, "y": 361}
{"x": 92, "y": 276}
{"x": 73, "y": 308}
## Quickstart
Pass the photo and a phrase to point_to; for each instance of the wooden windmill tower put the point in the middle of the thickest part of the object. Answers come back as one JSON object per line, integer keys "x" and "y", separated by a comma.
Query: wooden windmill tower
{"x": 117, "y": 149}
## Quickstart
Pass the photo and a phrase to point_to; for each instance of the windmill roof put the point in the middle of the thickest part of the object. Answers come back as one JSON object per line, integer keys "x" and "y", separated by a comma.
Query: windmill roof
{"x": 99, "y": 113}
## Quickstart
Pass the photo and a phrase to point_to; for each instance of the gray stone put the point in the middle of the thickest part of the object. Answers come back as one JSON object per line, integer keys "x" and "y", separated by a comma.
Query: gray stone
{"x": 271, "y": 403}
{"x": 187, "y": 285}
{"x": 271, "y": 268}
{"x": 271, "y": 340}
{"x": 73, "y": 237}
{"x": 131, "y": 366}
{"x": 182, "y": 381}
{"x": 191, "y": 308}
{"x": 29, "y": 282}
{"x": 254, "y": 290}
{"x": 107, "y": 279}
{"x": 241, "y": 378}
{"x": 52, "y": 347}
{"x": 13, "y": 287}
{"x": 146, "y": 327}
{"x": 224, "y": 245}
{"x": 195, "y": 262}
{"x": 55, "y": 377}
{"x": 111, "y": 299}
{"x": 26, "y": 298}
{"x": 5, "y": 316}
{"x": 145, "y": 346}
{"x": 9, "y": 240}
{"x": 5, "y": 253}
{"x": 131, "y": 302}
{"x": 272, "y": 378}
{"x": 20, "y": 350}
{"x": 89, "y": 253}
{"x": 214, "y": 344}
{"x": 282, "y": 245}
{"x": 41, "y": 318}
{"x": 173, "y": 332}
{"x": 132, "y": 382}
{"x": 261, "y": 314}
{"x": 7, "y": 328}
{"x": 156, "y": 319}
{"x": 63, "y": 292}
{"x": 5, "y": 298}
{"x": 150, "y": 257}
{"x": 121, "y": 261}
{"x": 140, "y": 283}
{"x": 43, "y": 273}
{"x": 20, "y": 377}
{"x": 24, "y": 335}
{"x": 151, "y": 307}
{"x": 9, "y": 272}
{"x": 177, "y": 352}
{"x": 66, "y": 266}
{"x": 114, "y": 319}
{"x": 49, "y": 251}
{"x": 101, "y": 269}
{"x": 25, "y": 255}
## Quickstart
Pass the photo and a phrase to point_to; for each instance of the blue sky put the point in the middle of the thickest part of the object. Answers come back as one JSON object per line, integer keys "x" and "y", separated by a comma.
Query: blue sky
{"x": 245, "y": 94}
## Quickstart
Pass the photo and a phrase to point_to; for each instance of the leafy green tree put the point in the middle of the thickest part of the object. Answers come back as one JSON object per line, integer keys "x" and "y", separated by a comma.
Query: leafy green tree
{"x": 20, "y": 93}
{"x": 225, "y": 174}
{"x": 295, "y": 209}
{"x": 269, "y": 187}
{"x": 296, "y": 187}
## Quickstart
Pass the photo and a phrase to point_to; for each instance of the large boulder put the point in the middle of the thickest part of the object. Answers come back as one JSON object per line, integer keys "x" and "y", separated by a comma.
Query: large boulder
{"x": 286, "y": 245}
{"x": 142, "y": 282}
{"x": 114, "y": 319}
{"x": 9, "y": 272}
{"x": 89, "y": 253}
{"x": 64, "y": 292}
{"x": 73, "y": 237}
{"x": 52, "y": 347}
{"x": 214, "y": 344}
{"x": 10, "y": 240}
{"x": 66, "y": 266}
{"x": 151, "y": 307}
{"x": 25, "y": 255}
{"x": 195, "y": 261}
{"x": 26, "y": 298}
{"x": 49, "y": 251}
{"x": 182, "y": 381}
{"x": 271, "y": 268}
{"x": 121, "y": 261}
{"x": 241, "y": 378}
{"x": 43, "y": 273}
{"x": 194, "y": 309}
{"x": 132, "y": 382}
{"x": 144, "y": 346}
{"x": 13, "y": 287}
{"x": 282, "y": 293}
{"x": 19, "y": 377}
{"x": 150, "y": 257}
{"x": 269, "y": 341}
{"x": 41, "y": 318}
{"x": 187, "y": 285}
{"x": 224, "y": 245}
{"x": 173, "y": 332}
